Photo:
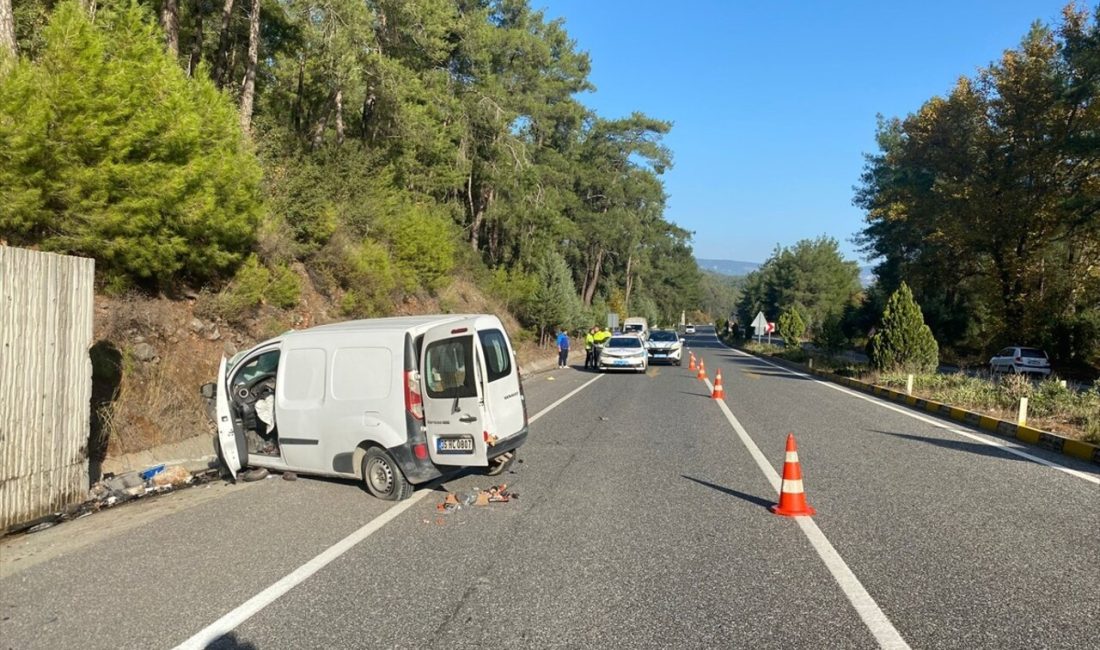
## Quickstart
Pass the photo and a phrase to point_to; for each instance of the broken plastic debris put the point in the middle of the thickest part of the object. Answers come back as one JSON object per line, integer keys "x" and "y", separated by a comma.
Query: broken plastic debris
{"x": 152, "y": 471}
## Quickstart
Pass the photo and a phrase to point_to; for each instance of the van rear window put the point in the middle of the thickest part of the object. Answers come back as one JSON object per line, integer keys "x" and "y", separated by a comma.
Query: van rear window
{"x": 449, "y": 368}
{"x": 497, "y": 359}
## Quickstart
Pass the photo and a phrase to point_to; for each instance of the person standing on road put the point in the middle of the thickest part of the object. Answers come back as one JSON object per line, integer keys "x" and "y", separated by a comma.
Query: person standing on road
{"x": 599, "y": 340}
{"x": 589, "y": 344}
{"x": 563, "y": 348}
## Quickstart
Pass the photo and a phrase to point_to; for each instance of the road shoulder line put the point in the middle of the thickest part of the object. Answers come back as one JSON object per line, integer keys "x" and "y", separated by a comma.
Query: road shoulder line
{"x": 255, "y": 604}
{"x": 869, "y": 612}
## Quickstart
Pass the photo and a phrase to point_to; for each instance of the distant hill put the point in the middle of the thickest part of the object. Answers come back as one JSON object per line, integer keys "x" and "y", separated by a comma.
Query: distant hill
{"x": 727, "y": 267}
{"x": 738, "y": 268}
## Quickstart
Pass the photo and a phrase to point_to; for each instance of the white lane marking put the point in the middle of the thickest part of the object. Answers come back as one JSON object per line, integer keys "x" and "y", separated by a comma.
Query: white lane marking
{"x": 869, "y": 611}
{"x": 936, "y": 423}
{"x": 567, "y": 396}
{"x": 253, "y": 605}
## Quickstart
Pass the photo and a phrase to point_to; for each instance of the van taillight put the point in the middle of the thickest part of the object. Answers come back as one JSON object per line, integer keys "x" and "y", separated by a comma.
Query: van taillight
{"x": 414, "y": 404}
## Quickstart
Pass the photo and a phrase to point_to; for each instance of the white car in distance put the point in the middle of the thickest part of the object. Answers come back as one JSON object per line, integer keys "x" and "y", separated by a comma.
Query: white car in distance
{"x": 624, "y": 352}
{"x": 665, "y": 345}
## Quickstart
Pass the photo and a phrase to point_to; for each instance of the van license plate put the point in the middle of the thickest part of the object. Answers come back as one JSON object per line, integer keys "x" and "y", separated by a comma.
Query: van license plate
{"x": 455, "y": 444}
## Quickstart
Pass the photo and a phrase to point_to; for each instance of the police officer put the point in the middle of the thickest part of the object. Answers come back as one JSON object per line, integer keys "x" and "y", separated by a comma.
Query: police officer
{"x": 599, "y": 340}
{"x": 589, "y": 351}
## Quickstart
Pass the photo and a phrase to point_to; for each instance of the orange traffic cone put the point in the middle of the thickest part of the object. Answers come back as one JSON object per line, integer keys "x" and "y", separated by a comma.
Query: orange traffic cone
{"x": 702, "y": 371}
{"x": 719, "y": 392}
{"x": 792, "y": 500}
{"x": 691, "y": 366}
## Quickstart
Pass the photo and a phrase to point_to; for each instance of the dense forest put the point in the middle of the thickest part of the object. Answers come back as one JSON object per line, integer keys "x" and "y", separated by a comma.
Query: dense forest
{"x": 986, "y": 202}
{"x": 384, "y": 146}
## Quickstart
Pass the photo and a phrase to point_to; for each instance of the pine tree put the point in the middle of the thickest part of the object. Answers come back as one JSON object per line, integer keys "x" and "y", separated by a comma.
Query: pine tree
{"x": 114, "y": 153}
{"x": 555, "y": 302}
{"x": 904, "y": 341}
{"x": 791, "y": 328}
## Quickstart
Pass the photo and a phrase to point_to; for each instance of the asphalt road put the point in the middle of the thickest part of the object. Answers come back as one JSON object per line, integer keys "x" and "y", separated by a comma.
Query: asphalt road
{"x": 642, "y": 522}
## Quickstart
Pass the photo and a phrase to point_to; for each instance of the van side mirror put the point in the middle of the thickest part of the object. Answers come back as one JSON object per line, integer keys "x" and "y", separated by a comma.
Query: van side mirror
{"x": 209, "y": 391}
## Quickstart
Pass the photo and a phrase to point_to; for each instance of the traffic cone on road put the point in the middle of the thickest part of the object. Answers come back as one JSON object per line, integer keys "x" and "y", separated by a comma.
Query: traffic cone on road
{"x": 792, "y": 500}
{"x": 719, "y": 392}
{"x": 691, "y": 366}
{"x": 702, "y": 371}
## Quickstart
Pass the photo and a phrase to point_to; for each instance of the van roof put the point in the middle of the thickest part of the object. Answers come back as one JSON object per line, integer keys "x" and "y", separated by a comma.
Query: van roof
{"x": 396, "y": 323}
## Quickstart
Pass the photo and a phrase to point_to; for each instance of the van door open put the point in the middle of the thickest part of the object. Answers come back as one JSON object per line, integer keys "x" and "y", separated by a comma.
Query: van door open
{"x": 231, "y": 441}
{"x": 453, "y": 399}
{"x": 503, "y": 394}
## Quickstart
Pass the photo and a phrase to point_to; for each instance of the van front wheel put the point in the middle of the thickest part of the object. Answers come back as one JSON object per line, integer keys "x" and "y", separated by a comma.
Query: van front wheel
{"x": 383, "y": 477}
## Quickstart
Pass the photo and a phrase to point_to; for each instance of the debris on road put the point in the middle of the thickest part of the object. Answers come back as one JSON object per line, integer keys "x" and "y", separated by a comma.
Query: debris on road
{"x": 257, "y": 474}
{"x": 476, "y": 497}
{"x": 175, "y": 476}
{"x": 113, "y": 490}
{"x": 290, "y": 476}
{"x": 151, "y": 472}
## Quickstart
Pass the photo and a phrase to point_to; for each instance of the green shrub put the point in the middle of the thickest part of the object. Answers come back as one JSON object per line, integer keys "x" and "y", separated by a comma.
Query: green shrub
{"x": 830, "y": 336}
{"x": 369, "y": 279}
{"x": 285, "y": 288}
{"x": 512, "y": 287}
{"x": 903, "y": 341}
{"x": 791, "y": 327}
{"x": 247, "y": 289}
{"x": 423, "y": 245}
{"x": 111, "y": 151}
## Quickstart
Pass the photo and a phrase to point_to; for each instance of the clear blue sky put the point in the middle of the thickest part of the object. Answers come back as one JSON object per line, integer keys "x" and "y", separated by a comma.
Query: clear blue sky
{"x": 774, "y": 102}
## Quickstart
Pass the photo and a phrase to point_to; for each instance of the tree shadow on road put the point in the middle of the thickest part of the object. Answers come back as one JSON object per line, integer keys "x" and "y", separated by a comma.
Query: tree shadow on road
{"x": 958, "y": 445}
{"x": 763, "y": 503}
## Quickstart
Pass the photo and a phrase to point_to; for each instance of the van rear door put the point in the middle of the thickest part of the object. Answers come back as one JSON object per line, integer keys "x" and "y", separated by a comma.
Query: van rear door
{"x": 230, "y": 440}
{"x": 503, "y": 394}
{"x": 452, "y": 392}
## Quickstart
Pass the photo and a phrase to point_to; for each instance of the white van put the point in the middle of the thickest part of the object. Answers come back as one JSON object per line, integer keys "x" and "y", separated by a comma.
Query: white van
{"x": 636, "y": 325}
{"x": 392, "y": 401}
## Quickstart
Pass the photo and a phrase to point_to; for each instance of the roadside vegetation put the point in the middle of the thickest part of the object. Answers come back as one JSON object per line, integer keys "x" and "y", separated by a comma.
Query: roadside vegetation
{"x": 1052, "y": 406}
{"x": 241, "y": 168}
{"x": 382, "y": 148}
{"x": 985, "y": 204}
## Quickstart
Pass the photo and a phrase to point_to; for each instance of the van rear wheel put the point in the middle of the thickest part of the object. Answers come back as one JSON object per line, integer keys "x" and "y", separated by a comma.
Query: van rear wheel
{"x": 383, "y": 477}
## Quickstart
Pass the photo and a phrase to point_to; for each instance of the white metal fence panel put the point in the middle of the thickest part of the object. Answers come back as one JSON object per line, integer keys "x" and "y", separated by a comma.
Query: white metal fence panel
{"x": 46, "y": 310}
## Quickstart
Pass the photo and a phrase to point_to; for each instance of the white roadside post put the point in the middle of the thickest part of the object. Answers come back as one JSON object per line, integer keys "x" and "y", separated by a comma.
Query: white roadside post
{"x": 909, "y": 385}
{"x": 1021, "y": 417}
